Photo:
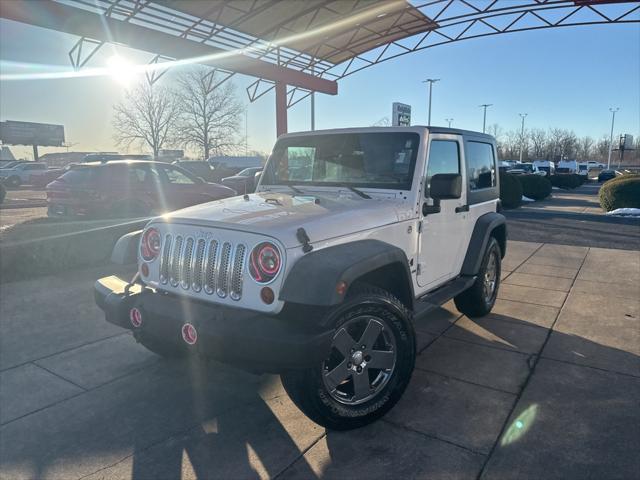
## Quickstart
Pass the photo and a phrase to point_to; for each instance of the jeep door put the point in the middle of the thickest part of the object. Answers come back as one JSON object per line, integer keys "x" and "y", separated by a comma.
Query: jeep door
{"x": 443, "y": 234}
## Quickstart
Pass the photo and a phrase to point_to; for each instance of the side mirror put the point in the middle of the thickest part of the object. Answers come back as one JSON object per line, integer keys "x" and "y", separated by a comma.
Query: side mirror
{"x": 443, "y": 186}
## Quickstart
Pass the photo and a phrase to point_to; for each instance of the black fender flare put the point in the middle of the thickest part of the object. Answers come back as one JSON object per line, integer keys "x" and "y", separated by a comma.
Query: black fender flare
{"x": 313, "y": 278}
{"x": 482, "y": 231}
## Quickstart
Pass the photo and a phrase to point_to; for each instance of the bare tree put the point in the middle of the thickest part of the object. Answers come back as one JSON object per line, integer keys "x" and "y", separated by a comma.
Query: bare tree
{"x": 209, "y": 114}
{"x": 602, "y": 148}
{"x": 585, "y": 148}
{"x": 146, "y": 116}
{"x": 539, "y": 143}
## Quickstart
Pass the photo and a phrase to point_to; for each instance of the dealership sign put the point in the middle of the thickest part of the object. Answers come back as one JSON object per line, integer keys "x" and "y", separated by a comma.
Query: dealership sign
{"x": 28, "y": 133}
{"x": 626, "y": 142}
{"x": 401, "y": 115}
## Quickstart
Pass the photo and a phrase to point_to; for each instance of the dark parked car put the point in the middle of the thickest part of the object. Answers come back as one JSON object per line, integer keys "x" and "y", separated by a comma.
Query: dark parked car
{"x": 245, "y": 181}
{"x": 605, "y": 175}
{"x": 198, "y": 168}
{"x": 128, "y": 189}
{"x": 3, "y": 193}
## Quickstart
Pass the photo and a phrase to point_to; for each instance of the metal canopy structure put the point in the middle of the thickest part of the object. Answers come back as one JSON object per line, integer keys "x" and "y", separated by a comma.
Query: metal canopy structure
{"x": 297, "y": 47}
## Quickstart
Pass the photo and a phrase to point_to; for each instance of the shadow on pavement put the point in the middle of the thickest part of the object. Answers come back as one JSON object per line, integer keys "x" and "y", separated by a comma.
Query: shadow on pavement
{"x": 191, "y": 420}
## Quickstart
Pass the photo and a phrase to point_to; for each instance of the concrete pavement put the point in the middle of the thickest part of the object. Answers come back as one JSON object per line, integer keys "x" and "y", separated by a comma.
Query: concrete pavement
{"x": 546, "y": 386}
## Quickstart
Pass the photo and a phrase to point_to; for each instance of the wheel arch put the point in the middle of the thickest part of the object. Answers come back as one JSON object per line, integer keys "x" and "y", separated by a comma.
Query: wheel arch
{"x": 489, "y": 225}
{"x": 314, "y": 278}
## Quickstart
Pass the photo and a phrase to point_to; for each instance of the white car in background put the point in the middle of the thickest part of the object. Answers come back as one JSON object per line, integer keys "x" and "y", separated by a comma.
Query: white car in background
{"x": 525, "y": 169}
{"x": 545, "y": 166}
{"x": 592, "y": 164}
{"x": 567, "y": 166}
{"x": 583, "y": 169}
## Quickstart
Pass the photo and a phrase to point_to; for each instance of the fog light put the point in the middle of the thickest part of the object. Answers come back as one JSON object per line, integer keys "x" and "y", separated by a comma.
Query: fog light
{"x": 144, "y": 269}
{"x": 267, "y": 295}
{"x": 135, "y": 317}
{"x": 341, "y": 288}
{"x": 189, "y": 334}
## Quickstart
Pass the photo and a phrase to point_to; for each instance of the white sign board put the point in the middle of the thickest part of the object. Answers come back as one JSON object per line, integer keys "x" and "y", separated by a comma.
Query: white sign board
{"x": 401, "y": 115}
{"x": 626, "y": 142}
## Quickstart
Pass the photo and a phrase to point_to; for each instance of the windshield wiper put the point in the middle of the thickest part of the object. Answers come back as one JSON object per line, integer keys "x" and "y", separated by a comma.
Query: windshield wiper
{"x": 296, "y": 190}
{"x": 358, "y": 192}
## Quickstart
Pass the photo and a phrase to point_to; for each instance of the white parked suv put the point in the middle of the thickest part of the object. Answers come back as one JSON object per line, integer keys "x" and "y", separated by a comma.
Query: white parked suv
{"x": 21, "y": 173}
{"x": 317, "y": 276}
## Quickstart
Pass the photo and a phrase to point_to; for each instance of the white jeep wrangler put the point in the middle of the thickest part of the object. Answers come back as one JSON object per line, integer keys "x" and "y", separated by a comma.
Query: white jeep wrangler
{"x": 317, "y": 275}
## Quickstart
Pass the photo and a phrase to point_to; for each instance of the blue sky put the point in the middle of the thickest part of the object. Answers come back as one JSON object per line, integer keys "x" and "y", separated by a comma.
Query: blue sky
{"x": 565, "y": 77}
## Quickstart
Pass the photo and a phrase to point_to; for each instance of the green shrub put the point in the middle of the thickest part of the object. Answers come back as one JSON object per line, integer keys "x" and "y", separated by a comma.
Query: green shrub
{"x": 566, "y": 180}
{"x": 535, "y": 186}
{"x": 510, "y": 190}
{"x": 621, "y": 192}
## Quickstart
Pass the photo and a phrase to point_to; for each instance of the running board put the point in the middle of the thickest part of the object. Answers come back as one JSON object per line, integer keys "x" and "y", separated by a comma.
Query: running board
{"x": 443, "y": 294}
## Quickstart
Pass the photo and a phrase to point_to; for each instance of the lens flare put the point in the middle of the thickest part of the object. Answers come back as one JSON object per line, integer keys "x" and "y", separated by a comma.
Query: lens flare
{"x": 121, "y": 70}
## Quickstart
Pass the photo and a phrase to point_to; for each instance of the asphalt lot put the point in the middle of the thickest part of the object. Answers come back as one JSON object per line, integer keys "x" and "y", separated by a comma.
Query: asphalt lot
{"x": 21, "y": 205}
{"x": 547, "y": 386}
{"x": 573, "y": 217}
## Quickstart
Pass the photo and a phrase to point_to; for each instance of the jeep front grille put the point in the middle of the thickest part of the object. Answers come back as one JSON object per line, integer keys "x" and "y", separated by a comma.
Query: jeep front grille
{"x": 198, "y": 264}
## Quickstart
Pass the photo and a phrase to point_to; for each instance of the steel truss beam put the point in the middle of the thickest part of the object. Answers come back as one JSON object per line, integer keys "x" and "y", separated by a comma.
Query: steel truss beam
{"x": 464, "y": 20}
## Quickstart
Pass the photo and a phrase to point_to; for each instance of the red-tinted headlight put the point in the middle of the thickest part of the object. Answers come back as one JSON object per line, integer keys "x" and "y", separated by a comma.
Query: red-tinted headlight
{"x": 150, "y": 244}
{"x": 265, "y": 262}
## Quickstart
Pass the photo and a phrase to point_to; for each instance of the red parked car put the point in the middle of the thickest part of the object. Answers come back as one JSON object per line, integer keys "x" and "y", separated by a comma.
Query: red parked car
{"x": 128, "y": 188}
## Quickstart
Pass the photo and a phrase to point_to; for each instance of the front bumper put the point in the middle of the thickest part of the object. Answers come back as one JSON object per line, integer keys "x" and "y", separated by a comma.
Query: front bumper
{"x": 247, "y": 339}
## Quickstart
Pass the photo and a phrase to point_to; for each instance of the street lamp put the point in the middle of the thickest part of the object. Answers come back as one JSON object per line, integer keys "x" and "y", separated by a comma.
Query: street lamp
{"x": 613, "y": 119}
{"x": 449, "y": 120}
{"x": 484, "y": 121}
{"x": 522, "y": 115}
{"x": 430, "y": 81}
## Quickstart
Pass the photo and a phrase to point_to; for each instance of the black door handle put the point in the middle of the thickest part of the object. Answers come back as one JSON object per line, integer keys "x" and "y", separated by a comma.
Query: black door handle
{"x": 462, "y": 208}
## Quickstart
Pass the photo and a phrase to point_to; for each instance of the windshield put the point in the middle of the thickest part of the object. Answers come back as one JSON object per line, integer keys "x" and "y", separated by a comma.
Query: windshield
{"x": 374, "y": 160}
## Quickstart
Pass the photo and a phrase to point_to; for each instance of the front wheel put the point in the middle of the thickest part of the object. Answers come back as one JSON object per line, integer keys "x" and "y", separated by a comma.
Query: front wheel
{"x": 368, "y": 368}
{"x": 478, "y": 299}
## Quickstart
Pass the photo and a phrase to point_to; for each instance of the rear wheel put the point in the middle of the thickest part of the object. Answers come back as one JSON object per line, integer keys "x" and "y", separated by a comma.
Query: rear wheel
{"x": 478, "y": 300}
{"x": 368, "y": 368}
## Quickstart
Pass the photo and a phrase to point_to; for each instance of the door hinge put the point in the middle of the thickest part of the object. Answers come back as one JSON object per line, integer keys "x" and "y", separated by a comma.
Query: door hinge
{"x": 418, "y": 270}
{"x": 420, "y": 226}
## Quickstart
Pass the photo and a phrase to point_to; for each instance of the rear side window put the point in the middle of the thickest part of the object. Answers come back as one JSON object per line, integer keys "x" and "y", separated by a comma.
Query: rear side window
{"x": 80, "y": 175}
{"x": 481, "y": 170}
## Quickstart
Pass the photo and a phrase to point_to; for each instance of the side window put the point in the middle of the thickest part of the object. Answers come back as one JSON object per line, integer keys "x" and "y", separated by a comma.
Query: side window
{"x": 444, "y": 157}
{"x": 481, "y": 165}
{"x": 138, "y": 174}
{"x": 175, "y": 176}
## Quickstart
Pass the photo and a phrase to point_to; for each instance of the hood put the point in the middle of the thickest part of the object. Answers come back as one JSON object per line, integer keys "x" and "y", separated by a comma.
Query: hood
{"x": 279, "y": 215}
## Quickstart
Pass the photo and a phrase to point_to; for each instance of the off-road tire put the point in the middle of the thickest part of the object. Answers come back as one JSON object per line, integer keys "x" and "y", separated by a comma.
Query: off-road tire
{"x": 308, "y": 390}
{"x": 473, "y": 302}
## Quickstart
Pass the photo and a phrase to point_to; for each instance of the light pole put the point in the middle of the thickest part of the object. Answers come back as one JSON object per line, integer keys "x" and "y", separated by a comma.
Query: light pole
{"x": 449, "y": 120}
{"x": 430, "y": 81}
{"x": 522, "y": 115}
{"x": 484, "y": 121}
{"x": 613, "y": 119}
